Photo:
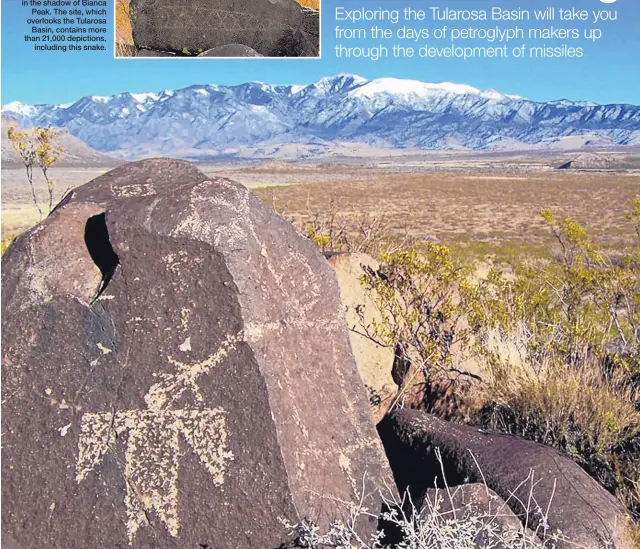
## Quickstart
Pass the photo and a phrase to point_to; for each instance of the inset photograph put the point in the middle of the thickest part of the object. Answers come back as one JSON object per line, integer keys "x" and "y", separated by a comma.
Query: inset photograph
{"x": 217, "y": 28}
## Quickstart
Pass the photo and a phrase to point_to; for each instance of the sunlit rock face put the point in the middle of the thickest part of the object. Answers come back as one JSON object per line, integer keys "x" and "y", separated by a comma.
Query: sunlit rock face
{"x": 176, "y": 372}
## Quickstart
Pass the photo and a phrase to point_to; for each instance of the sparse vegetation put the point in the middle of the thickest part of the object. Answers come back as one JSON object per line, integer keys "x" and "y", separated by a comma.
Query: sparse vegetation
{"x": 575, "y": 322}
{"x": 37, "y": 150}
{"x": 438, "y": 522}
{"x": 548, "y": 311}
{"x": 124, "y": 37}
{"x": 6, "y": 240}
{"x": 554, "y": 339}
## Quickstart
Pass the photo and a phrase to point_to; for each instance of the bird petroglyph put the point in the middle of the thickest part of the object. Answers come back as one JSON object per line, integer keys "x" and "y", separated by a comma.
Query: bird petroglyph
{"x": 153, "y": 436}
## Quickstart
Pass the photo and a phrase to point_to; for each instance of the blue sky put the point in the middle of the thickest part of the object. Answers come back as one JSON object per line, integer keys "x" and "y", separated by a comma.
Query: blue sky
{"x": 609, "y": 72}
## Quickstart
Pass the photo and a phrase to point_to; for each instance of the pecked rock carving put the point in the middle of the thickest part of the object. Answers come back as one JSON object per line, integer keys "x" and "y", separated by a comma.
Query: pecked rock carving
{"x": 153, "y": 442}
{"x": 208, "y": 391}
{"x": 273, "y": 28}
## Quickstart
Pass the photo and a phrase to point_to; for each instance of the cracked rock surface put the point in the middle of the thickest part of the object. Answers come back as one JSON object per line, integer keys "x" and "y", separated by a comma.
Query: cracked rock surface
{"x": 273, "y": 28}
{"x": 176, "y": 372}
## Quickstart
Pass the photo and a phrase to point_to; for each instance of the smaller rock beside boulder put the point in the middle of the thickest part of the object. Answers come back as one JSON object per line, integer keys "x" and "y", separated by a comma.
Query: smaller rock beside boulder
{"x": 536, "y": 481}
{"x": 375, "y": 361}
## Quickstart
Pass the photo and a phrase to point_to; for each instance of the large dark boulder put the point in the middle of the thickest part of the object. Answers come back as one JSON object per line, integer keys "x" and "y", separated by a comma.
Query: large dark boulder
{"x": 176, "y": 372}
{"x": 273, "y": 28}
{"x": 534, "y": 479}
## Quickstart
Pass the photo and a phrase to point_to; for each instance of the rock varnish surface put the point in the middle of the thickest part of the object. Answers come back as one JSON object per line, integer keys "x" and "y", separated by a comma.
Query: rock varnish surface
{"x": 176, "y": 372}
{"x": 534, "y": 480}
{"x": 274, "y": 28}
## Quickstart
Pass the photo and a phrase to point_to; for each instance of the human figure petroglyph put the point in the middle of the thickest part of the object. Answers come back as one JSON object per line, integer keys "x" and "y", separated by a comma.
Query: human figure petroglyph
{"x": 153, "y": 435}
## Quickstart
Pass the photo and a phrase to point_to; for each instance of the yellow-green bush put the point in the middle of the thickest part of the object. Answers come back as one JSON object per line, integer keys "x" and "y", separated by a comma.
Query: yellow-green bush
{"x": 7, "y": 239}
{"x": 572, "y": 323}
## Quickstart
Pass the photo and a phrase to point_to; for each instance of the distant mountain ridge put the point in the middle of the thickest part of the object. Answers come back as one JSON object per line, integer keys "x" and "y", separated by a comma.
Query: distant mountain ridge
{"x": 205, "y": 120}
{"x": 76, "y": 153}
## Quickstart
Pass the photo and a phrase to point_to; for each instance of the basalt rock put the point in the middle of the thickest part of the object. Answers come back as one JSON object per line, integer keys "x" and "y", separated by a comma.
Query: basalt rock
{"x": 535, "y": 480}
{"x": 231, "y": 50}
{"x": 176, "y": 372}
{"x": 273, "y": 28}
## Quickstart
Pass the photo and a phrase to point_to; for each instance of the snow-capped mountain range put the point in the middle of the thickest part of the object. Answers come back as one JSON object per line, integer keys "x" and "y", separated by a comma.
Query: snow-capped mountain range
{"x": 202, "y": 120}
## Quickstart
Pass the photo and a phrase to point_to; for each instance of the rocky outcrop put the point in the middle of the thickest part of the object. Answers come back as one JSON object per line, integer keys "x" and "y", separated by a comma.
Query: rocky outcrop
{"x": 589, "y": 161}
{"x": 534, "y": 479}
{"x": 176, "y": 372}
{"x": 375, "y": 361}
{"x": 273, "y": 28}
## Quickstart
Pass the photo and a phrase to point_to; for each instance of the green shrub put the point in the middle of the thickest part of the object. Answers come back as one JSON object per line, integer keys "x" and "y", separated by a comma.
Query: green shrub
{"x": 557, "y": 340}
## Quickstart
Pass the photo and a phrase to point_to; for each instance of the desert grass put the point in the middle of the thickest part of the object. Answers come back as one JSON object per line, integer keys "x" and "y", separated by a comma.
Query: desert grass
{"x": 581, "y": 409}
{"x": 477, "y": 214}
{"x": 440, "y": 522}
{"x": 18, "y": 212}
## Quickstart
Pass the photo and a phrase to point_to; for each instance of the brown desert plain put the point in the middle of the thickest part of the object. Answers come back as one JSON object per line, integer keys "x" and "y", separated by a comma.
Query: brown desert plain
{"x": 482, "y": 204}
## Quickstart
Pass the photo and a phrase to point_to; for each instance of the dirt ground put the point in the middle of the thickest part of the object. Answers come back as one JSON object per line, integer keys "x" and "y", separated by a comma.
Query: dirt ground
{"x": 486, "y": 210}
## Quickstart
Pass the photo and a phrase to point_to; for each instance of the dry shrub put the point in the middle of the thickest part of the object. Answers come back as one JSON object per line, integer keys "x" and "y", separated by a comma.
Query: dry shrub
{"x": 335, "y": 231}
{"x": 312, "y": 4}
{"x": 577, "y": 409}
{"x": 7, "y": 238}
{"x": 557, "y": 343}
{"x": 37, "y": 148}
{"x": 437, "y": 522}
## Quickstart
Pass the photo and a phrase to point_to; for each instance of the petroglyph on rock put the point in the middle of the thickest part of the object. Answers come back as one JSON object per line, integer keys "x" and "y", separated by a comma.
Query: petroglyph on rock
{"x": 153, "y": 454}
{"x": 223, "y": 393}
{"x": 153, "y": 436}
